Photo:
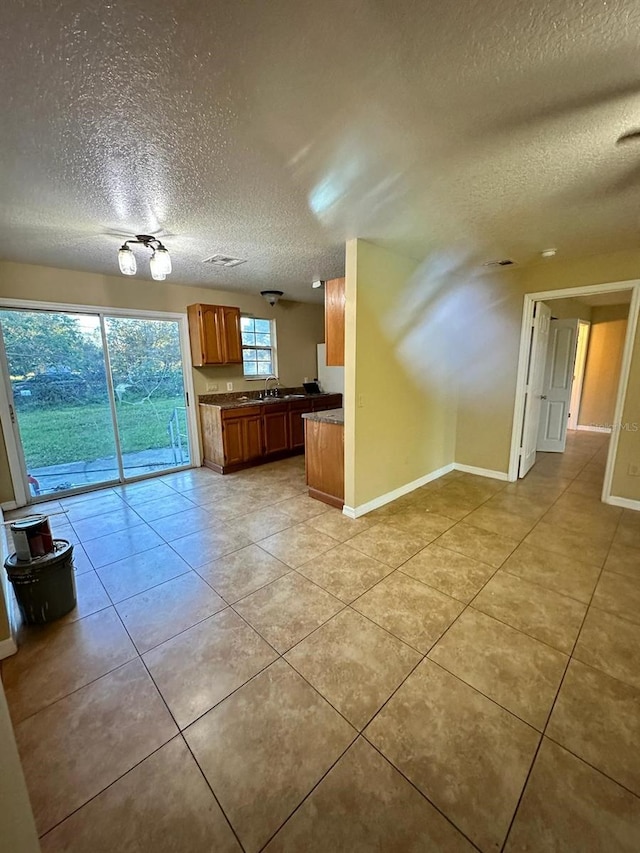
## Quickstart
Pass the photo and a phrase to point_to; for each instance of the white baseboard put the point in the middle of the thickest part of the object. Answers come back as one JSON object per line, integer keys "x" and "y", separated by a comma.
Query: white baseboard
{"x": 481, "y": 472}
{"x": 626, "y": 503}
{"x": 585, "y": 428}
{"x": 7, "y": 505}
{"x": 376, "y": 503}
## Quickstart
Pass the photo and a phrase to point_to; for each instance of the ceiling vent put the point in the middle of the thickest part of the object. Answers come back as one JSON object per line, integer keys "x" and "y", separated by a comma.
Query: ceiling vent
{"x": 505, "y": 262}
{"x": 224, "y": 261}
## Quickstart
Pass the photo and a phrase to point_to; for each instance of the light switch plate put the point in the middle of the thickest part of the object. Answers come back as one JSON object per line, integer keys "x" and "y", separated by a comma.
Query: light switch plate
{"x": 229, "y": 386}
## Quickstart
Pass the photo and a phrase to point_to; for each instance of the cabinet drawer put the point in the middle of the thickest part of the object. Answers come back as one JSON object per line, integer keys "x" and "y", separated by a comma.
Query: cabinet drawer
{"x": 240, "y": 412}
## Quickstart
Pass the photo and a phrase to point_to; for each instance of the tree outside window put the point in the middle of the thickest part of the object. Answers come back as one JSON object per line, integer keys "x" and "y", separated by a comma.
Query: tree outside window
{"x": 258, "y": 347}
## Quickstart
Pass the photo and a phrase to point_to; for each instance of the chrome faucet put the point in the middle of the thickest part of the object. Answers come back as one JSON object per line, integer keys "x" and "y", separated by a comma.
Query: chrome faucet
{"x": 266, "y": 381}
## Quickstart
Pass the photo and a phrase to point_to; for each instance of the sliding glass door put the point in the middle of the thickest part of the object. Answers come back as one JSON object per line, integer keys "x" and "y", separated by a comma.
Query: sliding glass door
{"x": 96, "y": 399}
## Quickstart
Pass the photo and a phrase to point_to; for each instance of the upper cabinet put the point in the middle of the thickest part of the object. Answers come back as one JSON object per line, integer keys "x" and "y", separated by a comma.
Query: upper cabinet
{"x": 214, "y": 332}
{"x": 334, "y": 298}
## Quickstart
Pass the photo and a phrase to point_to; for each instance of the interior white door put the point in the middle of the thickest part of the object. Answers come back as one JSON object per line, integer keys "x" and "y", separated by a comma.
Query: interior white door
{"x": 558, "y": 381}
{"x": 533, "y": 390}
{"x": 582, "y": 346}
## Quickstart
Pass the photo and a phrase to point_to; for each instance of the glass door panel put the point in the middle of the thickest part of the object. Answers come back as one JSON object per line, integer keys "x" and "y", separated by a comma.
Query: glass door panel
{"x": 145, "y": 361}
{"x": 61, "y": 399}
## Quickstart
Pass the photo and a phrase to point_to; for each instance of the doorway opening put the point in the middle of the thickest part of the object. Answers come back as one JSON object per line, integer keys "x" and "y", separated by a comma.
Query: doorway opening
{"x": 95, "y": 398}
{"x": 574, "y": 365}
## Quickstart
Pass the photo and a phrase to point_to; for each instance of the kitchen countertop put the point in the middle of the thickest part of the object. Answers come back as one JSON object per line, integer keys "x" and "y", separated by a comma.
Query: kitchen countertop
{"x": 330, "y": 416}
{"x": 229, "y": 401}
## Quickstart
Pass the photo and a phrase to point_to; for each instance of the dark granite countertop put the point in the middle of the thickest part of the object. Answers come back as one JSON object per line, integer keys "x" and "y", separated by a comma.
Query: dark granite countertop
{"x": 330, "y": 416}
{"x": 236, "y": 399}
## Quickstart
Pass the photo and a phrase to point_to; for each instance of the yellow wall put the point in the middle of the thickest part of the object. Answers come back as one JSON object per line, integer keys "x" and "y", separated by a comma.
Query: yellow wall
{"x": 399, "y": 399}
{"x": 569, "y": 309}
{"x": 299, "y": 326}
{"x": 602, "y": 369}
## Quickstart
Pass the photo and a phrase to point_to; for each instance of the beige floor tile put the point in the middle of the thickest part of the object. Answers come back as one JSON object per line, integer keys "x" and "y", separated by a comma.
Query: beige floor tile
{"x": 516, "y": 671}
{"x": 478, "y": 544}
{"x": 162, "y": 802}
{"x": 624, "y": 561}
{"x": 618, "y": 594}
{"x": 568, "y": 805}
{"x": 121, "y": 544}
{"x": 261, "y": 523}
{"x": 297, "y": 545}
{"x": 628, "y": 532}
{"x": 500, "y": 521}
{"x": 164, "y": 611}
{"x": 287, "y": 610}
{"x": 200, "y": 667}
{"x": 591, "y": 549}
{"x": 579, "y": 521}
{"x": 566, "y": 575}
{"x": 206, "y": 545}
{"x": 539, "y": 612}
{"x": 345, "y": 572}
{"x": 140, "y": 572}
{"x": 102, "y": 525}
{"x": 388, "y": 544}
{"x": 338, "y": 526}
{"x": 182, "y": 523}
{"x": 73, "y": 749}
{"x": 365, "y": 805}
{"x": 265, "y": 747}
{"x": 59, "y": 658}
{"x": 165, "y": 506}
{"x": 426, "y": 525}
{"x": 611, "y": 645}
{"x": 466, "y": 754}
{"x": 452, "y": 573}
{"x": 301, "y": 507}
{"x": 410, "y": 610}
{"x": 92, "y": 504}
{"x": 354, "y": 664}
{"x": 524, "y": 507}
{"x": 452, "y": 506}
{"x": 598, "y": 719}
{"x": 238, "y": 574}
{"x": 589, "y": 506}
{"x": 136, "y": 494}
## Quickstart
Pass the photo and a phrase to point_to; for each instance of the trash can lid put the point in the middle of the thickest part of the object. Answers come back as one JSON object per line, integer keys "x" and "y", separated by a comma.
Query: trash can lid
{"x": 19, "y": 568}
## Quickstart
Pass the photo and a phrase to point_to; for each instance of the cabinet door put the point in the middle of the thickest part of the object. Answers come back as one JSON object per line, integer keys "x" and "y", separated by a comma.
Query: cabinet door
{"x": 276, "y": 431}
{"x": 252, "y": 437}
{"x": 296, "y": 429}
{"x": 231, "y": 335}
{"x": 233, "y": 430}
{"x": 334, "y": 299}
{"x": 211, "y": 334}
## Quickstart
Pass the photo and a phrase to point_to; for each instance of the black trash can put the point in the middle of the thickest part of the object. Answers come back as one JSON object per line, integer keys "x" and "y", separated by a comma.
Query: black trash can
{"x": 45, "y": 587}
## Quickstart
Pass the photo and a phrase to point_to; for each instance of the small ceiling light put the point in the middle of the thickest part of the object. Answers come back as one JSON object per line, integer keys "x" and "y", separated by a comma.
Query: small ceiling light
{"x": 127, "y": 261}
{"x": 316, "y": 284}
{"x": 272, "y": 296}
{"x": 159, "y": 264}
{"x": 548, "y": 253}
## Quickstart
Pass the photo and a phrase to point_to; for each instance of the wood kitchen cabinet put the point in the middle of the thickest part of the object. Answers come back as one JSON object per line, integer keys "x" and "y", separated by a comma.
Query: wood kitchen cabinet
{"x": 276, "y": 428}
{"x": 214, "y": 333}
{"x": 334, "y": 302}
{"x": 238, "y": 437}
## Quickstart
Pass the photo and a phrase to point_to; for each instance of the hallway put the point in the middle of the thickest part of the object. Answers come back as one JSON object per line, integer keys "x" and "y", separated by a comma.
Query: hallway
{"x": 458, "y": 670}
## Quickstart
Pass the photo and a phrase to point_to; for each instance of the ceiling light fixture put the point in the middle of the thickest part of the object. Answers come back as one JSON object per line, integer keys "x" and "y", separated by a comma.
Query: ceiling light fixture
{"x": 272, "y": 296}
{"x": 159, "y": 264}
{"x": 317, "y": 283}
{"x": 548, "y": 253}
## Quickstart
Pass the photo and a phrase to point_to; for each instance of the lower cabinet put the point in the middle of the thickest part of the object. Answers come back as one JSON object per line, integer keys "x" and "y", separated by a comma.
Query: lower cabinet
{"x": 248, "y": 435}
{"x": 242, "y": 439}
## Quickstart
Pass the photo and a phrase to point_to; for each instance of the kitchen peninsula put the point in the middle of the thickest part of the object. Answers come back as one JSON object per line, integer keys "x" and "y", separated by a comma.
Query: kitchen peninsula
{"x": 324, "y": 455}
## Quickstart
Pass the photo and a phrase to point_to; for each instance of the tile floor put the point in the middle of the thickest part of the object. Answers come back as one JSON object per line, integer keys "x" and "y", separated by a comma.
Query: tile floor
{"x": 248, "y": 669}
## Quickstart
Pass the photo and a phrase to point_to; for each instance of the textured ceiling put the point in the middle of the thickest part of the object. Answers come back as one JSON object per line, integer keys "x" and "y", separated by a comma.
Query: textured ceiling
{"x": 275, "y": 130}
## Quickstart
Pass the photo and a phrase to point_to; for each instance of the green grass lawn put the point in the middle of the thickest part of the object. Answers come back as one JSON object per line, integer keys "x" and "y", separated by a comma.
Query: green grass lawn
{"x": 55, "y": 435}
